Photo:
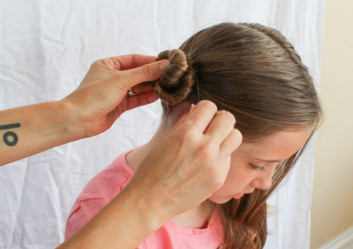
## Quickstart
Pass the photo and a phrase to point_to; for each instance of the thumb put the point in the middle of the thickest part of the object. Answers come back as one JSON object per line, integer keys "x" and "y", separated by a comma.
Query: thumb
{"x": 144, "y": 73}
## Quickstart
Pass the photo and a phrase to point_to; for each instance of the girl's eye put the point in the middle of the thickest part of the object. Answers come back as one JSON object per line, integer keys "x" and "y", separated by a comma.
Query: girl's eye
{"x": 257, "y": 168}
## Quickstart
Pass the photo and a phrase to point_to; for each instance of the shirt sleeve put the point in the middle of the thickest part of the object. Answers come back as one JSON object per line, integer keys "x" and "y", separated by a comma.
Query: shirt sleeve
{"x": 82, "y": 212}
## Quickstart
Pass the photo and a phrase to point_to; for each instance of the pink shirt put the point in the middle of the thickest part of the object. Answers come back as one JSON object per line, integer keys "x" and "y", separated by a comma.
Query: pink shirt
{"x": 108, "y": 183}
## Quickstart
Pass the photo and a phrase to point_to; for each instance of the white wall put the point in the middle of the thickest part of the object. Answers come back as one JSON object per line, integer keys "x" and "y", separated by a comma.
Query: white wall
{"x": 332, "y": 204}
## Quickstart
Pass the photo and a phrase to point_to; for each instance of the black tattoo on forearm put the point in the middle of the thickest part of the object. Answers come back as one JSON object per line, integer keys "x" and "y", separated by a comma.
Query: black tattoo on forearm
{"x": 10, "y": 138}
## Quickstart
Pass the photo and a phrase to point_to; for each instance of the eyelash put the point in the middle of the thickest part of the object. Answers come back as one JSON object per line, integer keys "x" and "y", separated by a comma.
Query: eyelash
{"x": 257, "y": 168}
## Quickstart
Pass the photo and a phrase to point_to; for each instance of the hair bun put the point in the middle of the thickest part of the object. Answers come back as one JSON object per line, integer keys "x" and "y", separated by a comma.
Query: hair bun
{"x": 176, "y": 80}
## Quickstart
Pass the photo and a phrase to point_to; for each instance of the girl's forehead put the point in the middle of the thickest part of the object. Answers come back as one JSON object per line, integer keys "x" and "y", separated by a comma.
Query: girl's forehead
{"x": 276, "y": 147}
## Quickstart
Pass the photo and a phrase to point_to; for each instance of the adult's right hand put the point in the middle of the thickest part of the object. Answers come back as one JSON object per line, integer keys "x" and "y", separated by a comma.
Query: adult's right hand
{"x": 189, "y": 163}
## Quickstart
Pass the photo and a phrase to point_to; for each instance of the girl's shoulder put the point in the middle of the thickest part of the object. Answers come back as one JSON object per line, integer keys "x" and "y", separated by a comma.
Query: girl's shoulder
{"x": 109, "y": 182}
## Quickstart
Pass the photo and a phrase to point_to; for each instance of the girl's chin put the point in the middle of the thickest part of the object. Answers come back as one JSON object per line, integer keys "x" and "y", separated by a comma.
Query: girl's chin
{"x": 219, "y": 200}
{"x": 224, "y": 199}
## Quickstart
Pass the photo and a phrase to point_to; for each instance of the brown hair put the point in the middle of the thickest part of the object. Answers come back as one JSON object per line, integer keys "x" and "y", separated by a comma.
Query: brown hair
{"x": 253, "y": 72}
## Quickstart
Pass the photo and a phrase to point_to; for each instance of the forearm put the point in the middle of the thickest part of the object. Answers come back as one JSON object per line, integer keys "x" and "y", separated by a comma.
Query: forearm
{"x": 124, "y": 223}
{"x": 28, "y": 130}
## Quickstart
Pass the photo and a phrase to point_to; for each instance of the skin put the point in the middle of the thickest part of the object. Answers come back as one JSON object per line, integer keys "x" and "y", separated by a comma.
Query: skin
{"x": 90, "y": 110}
{"x": 253, "y": 164}
{"x": 150, "y": 200}
{"x": 141, "y": 208}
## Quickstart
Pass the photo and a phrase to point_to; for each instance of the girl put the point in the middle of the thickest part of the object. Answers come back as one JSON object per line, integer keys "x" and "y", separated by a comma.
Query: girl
{"x": 254, "y": 73}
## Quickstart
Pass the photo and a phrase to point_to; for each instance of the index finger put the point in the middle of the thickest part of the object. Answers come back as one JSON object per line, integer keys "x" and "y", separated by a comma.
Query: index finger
{"x": 125, "y": 62}
{"x": 202, "y": 114}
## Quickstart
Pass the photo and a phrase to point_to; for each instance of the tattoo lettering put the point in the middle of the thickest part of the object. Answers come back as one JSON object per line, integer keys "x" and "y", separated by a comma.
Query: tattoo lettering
{"x": 10, "y": 138}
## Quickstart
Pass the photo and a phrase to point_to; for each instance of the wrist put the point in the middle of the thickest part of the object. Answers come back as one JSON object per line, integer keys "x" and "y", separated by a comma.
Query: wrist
{"x": 152, "y": 214}
{"x": 74, "y": 125}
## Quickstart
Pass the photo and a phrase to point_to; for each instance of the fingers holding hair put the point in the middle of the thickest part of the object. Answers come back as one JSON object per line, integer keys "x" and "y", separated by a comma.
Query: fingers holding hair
{"x": 219, "y": 128}
{"x": 126, "y": 62}
{"x": 231, "y": 142}
{"x": 134, "y": 60}
{"x": 140, "y": 99}
{"x": 202, "y": 114}
{"x": 147, "y": 72}
{"x": 216, "y": 125}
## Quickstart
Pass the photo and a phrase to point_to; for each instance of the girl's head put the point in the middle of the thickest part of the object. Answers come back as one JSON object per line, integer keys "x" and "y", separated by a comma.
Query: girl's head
{"x": 253, "y": 72}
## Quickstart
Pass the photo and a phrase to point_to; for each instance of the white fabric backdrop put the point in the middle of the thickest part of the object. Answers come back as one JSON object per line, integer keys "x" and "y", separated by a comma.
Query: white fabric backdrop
{"x": 46, "y": 49}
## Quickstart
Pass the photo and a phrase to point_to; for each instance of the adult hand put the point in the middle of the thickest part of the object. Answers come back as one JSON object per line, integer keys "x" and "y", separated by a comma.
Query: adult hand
{"x": 102, "y": 95}
{"x": 186, "y": 166}
{"x": 91, "y": 109}
{"x": 189, "y": 163}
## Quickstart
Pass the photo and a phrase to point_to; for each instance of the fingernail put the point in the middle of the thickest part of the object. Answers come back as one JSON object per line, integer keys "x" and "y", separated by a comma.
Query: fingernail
{"x": 230, "y": 116}
{"x": 163, "y": 64}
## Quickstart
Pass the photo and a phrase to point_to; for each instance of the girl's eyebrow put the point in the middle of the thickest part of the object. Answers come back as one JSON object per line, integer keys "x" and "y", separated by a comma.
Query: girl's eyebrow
{"x": 269, "y": 161}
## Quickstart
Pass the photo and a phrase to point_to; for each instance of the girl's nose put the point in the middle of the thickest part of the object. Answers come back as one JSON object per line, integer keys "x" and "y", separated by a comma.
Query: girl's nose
{"x": 263, "y": 182}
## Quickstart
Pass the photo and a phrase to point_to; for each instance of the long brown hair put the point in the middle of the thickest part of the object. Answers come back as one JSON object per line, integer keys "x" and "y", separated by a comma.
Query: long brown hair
{"x": 253, "y": 72}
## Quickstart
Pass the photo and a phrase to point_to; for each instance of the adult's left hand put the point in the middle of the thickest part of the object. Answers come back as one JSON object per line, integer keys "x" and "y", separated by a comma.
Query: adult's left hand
{"x": 102, "y": 95}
